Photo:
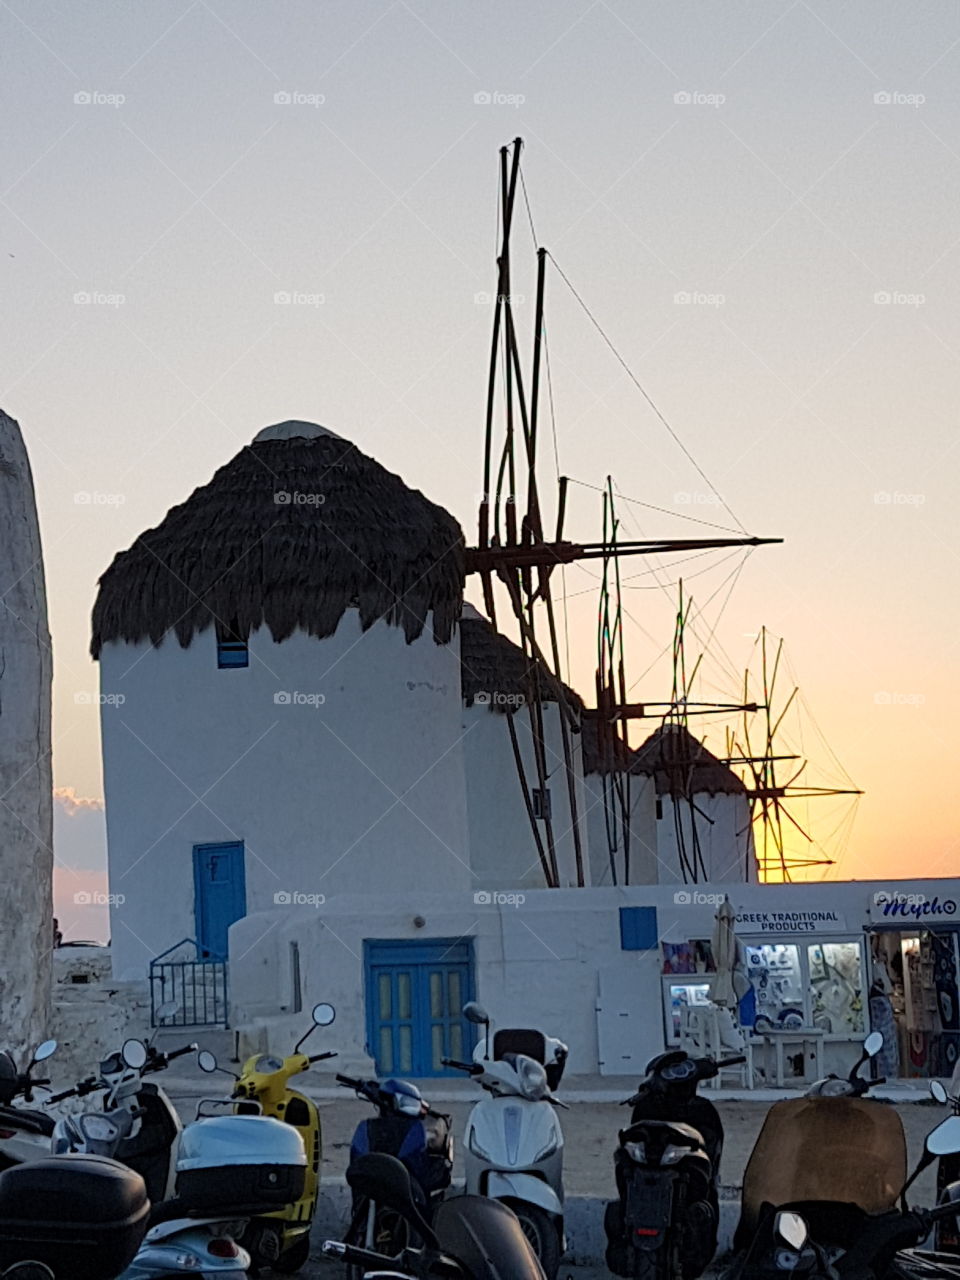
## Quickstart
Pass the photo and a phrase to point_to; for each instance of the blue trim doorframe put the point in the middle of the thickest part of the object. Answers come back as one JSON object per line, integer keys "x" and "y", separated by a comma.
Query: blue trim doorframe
{"x": 219, "y": 895}
{"x": 414, "y": 991}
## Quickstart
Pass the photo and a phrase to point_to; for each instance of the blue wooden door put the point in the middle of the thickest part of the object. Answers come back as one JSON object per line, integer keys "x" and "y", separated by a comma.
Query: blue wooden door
{"x": 415, "y": 991}
{"x": 220, "y": 895}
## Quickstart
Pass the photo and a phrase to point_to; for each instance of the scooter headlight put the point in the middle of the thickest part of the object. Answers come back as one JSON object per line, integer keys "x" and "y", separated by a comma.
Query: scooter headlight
{"x": 636, "y": 1151}
{"x": 532, "y": 1077}
{"x": 673, "y": 1155}
{"x": 98, "y": 1128}
{"x": 267, "y": 1065}
{"x": 475, "y": 1146}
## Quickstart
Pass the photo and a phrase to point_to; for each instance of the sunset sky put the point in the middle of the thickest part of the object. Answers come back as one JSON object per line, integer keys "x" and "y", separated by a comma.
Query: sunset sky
{"x": 757, "y": 202}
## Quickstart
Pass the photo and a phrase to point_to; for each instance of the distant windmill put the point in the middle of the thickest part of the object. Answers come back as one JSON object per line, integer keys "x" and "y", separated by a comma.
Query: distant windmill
{"x": 775, "y": 778}
{"x": 513, "y": 549}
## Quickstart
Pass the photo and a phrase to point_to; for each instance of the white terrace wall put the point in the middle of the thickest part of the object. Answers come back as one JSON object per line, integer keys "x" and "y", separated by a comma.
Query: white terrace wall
{"x": 555, "y": 960}
{"x": 503, "y": 853}
{"x": 338, "y": 763}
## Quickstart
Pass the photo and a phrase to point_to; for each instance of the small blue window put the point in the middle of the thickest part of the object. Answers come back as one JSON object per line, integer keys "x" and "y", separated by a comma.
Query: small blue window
{"x": 638, "y": 929}
{"x": 232, "y": 653}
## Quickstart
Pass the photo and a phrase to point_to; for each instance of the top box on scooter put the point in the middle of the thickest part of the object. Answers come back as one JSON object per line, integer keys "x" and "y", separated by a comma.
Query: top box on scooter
{"x": 232, "y": 1162}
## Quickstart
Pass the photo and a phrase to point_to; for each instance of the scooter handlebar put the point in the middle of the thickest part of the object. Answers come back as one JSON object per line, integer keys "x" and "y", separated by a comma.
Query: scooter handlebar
{"x": 180, "y": 1053}
{"x": 319, "y": 1057}
{"x": 472, "y": 1068}
{"x": 731, "y": 1062}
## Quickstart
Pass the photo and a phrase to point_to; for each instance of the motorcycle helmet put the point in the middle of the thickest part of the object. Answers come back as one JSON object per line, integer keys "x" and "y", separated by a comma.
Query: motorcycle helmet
{"x": 405, "y": 1097}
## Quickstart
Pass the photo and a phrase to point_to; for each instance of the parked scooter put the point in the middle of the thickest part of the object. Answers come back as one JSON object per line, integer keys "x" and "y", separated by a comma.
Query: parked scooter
{"x": 947, "y": 1238}
{"x": 405, "y": 1127}
{"x": 514, "y": 1143}
{"x": 281, "y": 1239}
{"x": 667, "y": 1165}
{"x": 24, "y": 1133}
{"x": 471, "y": 1237}
{"x": 833, "y": 1156}
{"x": 225, "y": 1170}
{"x": 877, "y": 1246}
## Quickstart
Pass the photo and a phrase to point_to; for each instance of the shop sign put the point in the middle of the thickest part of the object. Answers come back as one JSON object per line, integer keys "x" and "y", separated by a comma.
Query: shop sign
{"x": 790, "y": 922}
{"x": 914, "y": 906}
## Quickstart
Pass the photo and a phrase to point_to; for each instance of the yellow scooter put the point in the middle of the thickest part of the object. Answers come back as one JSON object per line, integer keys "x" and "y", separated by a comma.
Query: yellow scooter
{"x": 281, "y": 1240}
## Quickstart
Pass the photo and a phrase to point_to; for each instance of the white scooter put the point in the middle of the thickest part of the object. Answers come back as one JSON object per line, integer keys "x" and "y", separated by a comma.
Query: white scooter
{"x": 224, "y": 1169}
{"x": 513, "y": 1142}
{"x": 24, "y": 1134}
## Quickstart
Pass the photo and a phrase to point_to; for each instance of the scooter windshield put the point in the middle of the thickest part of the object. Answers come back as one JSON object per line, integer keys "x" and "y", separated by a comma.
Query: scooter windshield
{"x": 845, "y": 1150}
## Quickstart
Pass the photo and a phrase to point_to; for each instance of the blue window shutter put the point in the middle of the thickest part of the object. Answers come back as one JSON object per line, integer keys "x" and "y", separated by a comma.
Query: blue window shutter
{"x": 638, "y": 929}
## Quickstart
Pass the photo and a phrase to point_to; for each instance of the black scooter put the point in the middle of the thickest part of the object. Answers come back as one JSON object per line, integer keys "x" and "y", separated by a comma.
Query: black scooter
{"x": 470, "y": 1238}
{"x": 664, "y": 1225}
{"x": 948, "y": 1172}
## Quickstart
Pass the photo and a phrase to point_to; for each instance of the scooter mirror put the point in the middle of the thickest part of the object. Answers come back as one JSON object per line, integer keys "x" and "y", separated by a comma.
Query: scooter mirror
{"x": 45, "y": 1050}
{"x": 28, "y": 1271}
{"x": 474, "y": 1012}
{"x": 938, "y": 1092}
{"x": 206, "y": 1061}
{"x": 323, "y": 1014}
{"x": 873, "y": 1044}
{"x": 944, "y": 1140}
{"x": 791, "y": 1229}
{"x": 134, "y": 1053}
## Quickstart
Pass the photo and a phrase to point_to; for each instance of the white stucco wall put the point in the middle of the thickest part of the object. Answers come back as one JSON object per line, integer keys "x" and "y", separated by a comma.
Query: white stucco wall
{"x": 725, "y": 835}
{"x": 602, "y": 809}
{"x": 502, "y": 849}
{"x": 363, "y": 789}
{"x": 26, "y": 788}
{"x": 555, "y": 961}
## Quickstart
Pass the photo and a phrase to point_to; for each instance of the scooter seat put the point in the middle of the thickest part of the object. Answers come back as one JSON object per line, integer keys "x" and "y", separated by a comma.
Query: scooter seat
{"x": 28, "y": 1121}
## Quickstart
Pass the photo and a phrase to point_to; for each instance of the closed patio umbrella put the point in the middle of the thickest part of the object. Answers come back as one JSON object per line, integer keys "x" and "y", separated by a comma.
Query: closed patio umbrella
{"x": 730, "y": 981}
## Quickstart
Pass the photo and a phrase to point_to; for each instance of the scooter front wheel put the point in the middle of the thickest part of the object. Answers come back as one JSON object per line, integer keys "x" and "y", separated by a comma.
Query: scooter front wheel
{"x": 541, "y": 1230}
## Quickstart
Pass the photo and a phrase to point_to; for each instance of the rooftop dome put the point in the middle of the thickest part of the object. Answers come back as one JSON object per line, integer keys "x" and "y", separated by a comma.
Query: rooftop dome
{"x": 680, "y": 765}
{"x": 299, "y": 527}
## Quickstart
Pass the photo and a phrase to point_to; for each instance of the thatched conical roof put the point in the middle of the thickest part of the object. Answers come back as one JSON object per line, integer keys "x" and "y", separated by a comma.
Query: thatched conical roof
{"x": 682, "y": 766}
{"x": 494, "y": 666}
{"x": 299, "y": 527}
